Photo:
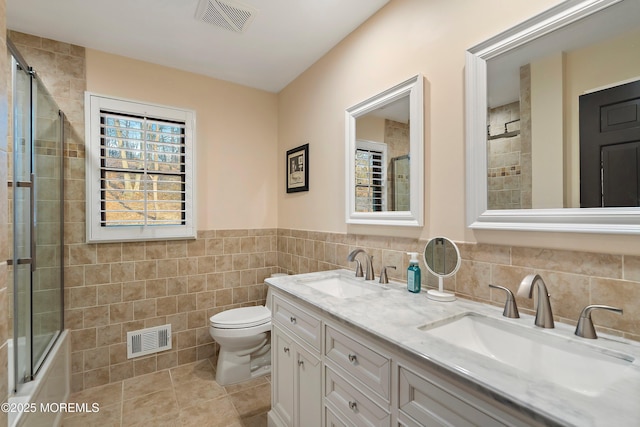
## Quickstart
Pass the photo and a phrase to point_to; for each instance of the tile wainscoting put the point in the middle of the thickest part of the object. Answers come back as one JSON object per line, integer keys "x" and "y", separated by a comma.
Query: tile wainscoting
{"x": 114, "y": 288}
{"x": 118, "y": 287}
{"x": 574, "y": 279}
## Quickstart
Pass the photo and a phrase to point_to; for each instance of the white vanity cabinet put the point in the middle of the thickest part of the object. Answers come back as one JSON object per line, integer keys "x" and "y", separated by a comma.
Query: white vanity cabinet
{"x": 325, "y": 372}
{"x": 296, "y": 397}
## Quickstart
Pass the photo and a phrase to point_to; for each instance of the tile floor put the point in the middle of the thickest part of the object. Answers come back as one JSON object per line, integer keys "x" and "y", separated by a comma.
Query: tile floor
{"x": 183, "y": 396}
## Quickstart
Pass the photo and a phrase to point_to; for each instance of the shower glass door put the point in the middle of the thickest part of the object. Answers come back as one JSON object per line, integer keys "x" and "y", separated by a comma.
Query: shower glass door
{"x": 400, "y": 183}
{"x": 37, "y": 222}
{"x": 22, "y": 195}
{"x": 46, "y": 284}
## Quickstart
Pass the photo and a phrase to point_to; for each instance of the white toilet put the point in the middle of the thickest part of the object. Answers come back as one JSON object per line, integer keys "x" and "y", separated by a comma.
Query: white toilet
{"x": 245, "y": 342}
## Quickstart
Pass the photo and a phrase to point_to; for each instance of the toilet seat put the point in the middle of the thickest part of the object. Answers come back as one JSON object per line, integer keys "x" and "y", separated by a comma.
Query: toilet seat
{"x": 239, "y": 318}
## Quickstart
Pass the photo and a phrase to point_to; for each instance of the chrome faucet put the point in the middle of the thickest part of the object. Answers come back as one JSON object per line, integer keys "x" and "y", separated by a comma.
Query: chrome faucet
{"x": 544, "y": 316}
{"x": 510, "y": 306}
{"x": 384, "y": 279}
{"x": 585, "y": 327}
{"x": 352, "y": 257}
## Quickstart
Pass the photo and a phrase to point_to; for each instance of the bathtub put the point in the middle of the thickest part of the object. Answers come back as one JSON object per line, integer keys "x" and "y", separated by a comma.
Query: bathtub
{"x": 52, "y": 385}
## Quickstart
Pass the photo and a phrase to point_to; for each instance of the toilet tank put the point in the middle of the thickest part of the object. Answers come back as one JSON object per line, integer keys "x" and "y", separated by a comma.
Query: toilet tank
{"x": 268, "y": 303}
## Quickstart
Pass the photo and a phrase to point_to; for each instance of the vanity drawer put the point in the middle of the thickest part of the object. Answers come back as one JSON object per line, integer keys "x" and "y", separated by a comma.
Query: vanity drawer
{"x": 354, "y": 406}
{"x": 434, "y": 403}
{"x": 331, "y": 419}
{"x": 365, "y": 364}
{"x": 298, "y": 321}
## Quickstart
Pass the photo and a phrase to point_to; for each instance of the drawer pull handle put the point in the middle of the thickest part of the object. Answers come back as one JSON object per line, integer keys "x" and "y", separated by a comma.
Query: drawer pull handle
{"x": 300, "y": 362}
{"x": 352, "y": 358}
{"x": 286, "y": 349}
{"x": 293, "y": 320}
{"x": 353, "y": 406}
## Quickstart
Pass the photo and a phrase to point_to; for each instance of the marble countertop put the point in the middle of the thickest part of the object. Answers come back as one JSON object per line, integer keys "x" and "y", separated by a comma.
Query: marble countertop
{"x": 395, "y": 316}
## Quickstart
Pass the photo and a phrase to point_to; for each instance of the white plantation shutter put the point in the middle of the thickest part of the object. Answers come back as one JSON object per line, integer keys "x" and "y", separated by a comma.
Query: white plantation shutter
{"x": 370, "y": 177}
{"x": 140, "y": 171}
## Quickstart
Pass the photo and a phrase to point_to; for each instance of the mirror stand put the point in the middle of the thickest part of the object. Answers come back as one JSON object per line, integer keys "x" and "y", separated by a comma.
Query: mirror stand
{"x": 440, "y": 295}
{"x": 442, "y": 258}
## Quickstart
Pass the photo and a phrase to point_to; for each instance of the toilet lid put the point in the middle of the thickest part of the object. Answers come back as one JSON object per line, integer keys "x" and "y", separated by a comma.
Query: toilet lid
{"x": 243, "y": 317}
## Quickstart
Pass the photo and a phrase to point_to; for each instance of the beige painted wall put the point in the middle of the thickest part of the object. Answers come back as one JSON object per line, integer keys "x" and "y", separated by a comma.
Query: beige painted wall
{"x": 370, "y": 128}
{"x": 406, "y": 37}
{"x": 236, "y": 135}
{"x": 546, "y": 131}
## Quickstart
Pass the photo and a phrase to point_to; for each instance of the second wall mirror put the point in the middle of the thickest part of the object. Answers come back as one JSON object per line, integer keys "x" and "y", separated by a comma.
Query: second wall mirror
{"x": 532, "y": 159}
{"x": 385, "y": 157}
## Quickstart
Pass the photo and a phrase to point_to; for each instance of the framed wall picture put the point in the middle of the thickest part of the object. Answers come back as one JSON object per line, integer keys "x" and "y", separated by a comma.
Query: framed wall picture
{"x": 298, "y": 169}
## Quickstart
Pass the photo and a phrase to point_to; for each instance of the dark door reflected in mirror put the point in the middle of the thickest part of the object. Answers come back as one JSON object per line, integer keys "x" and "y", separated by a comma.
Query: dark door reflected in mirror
{"x": 610, "y": 147}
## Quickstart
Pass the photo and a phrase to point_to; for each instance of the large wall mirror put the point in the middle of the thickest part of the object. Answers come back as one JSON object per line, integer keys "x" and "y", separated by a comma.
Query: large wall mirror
{"x": 384, "y": 159}
{"x": 553, "y": 122}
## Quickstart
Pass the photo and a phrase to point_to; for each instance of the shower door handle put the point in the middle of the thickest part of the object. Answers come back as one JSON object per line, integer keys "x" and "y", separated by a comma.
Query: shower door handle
{"x": 32, "y": 223}
{"x": 32, "y": 211}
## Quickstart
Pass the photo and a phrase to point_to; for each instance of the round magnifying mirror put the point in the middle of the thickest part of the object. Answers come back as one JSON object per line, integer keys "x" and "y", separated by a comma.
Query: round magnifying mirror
{"x": 442, "y": 258}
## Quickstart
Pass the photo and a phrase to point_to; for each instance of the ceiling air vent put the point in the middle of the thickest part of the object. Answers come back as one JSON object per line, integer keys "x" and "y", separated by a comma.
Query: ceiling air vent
{"x": 229, "y": 15}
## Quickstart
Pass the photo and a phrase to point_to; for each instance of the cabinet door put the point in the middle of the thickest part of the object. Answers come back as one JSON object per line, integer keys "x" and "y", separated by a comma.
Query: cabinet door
{"x": 309, "y": 389}
{"x": 282, "y": 392}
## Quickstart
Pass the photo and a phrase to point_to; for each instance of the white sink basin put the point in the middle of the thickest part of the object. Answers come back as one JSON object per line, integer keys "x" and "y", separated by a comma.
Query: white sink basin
{"x": 341, "y": 287}
{"x": 570, "y": 364}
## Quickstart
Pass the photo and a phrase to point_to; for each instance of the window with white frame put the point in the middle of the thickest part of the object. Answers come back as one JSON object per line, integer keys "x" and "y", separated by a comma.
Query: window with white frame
{"x": 371, "y": 176}
{"x": 139, "y": 169}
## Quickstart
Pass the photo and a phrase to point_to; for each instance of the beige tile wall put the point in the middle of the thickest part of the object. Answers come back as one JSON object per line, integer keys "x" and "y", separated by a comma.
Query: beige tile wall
{"x": 114, "y": 288}
{"x": 525, "y": 137}
{"x": 504, "y": 174}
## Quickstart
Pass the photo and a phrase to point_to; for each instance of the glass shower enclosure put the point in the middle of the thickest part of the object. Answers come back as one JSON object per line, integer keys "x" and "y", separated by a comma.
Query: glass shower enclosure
{"x": 36, "y": 170}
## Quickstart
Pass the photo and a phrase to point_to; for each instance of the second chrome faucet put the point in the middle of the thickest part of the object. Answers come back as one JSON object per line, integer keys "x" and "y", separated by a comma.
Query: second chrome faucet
{"x": 369, "y": 263}
{"x": 544, "y": 315}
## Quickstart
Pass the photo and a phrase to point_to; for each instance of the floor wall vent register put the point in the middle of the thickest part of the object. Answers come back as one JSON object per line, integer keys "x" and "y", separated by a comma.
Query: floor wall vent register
{"x": 148, "y": 341}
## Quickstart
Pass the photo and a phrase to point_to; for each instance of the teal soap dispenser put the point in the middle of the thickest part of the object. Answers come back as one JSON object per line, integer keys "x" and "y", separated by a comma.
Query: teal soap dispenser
{"x": 413, "y": 273}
